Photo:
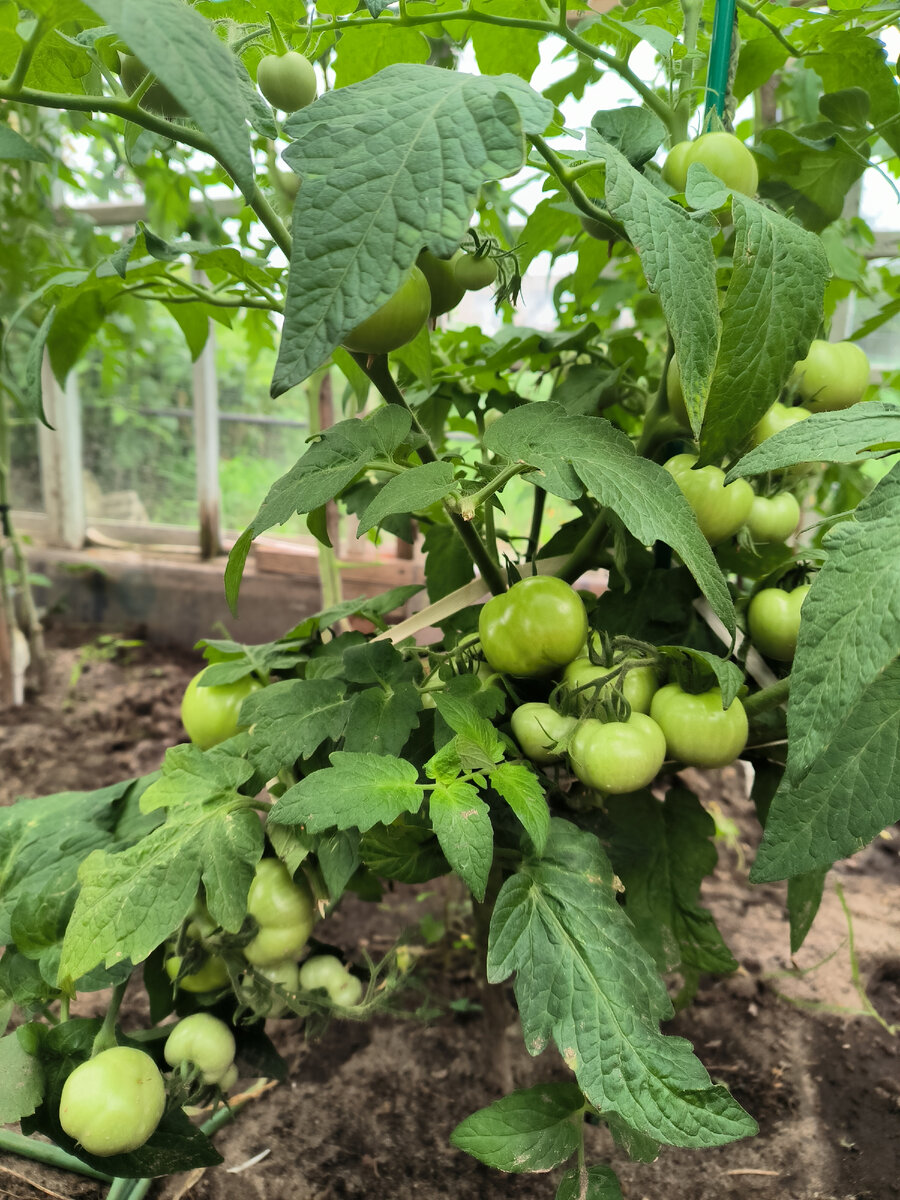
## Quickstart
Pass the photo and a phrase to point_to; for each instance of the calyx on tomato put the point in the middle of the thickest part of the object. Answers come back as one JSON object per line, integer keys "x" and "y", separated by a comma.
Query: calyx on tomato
{"x": 112, "y": 1103}
{"x": 638, "y": 682}
{"x": 287, "y": 81}
{"x": 773, "y": 518}
{"x": 617, "y": 756}
{"x": 833, "y": 375}
{"x": 698, "y": 731}
{"x": 539, "y": 625}
{"x": 539, "y": 729}
{"x": 397, "y": 321}
{"x": 773, "y": 616}
{"x": 720, "y": 510}
{"x": 211, "y": 714}
{"x": 284, "y": 912}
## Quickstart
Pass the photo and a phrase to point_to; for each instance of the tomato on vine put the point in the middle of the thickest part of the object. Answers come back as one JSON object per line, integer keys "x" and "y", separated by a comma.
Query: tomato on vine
{"x": 833, "y": 375}
{"x": 446, "y": 291}
{"x": 773, "y": 518}
{"x": 539, "y": 625}
{"x": 728, "y": 159}
{"x": 698, "y": 731}
{"x": 212, "y": 714}
{"x": 327, "y": 973}
{"x": 157, "y": 98}
{"x": 773, "y": 617}
{"x": 674, "y": 169}
{"x": 638, "y": 683}
{"x": 112, "y": 1103}
{"x": 474, "y": 273}
{"x": 209, "y": 976}
{"x": 397, "y": 321}
{"x": 288, "y": 81}
{"x": 538, "y": 728}
{"x": 285, "y": 975}
{"x": 617, "y": 756}
{"x": 779, "y": 417}
{"x": 283, "y": 910}
{"x": 203, "y": 1040}
{"x": 720, "y": 509}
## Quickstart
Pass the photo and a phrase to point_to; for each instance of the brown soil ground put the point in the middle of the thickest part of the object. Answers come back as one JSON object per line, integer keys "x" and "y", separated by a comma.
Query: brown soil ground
{"x": 368, "y": 1108}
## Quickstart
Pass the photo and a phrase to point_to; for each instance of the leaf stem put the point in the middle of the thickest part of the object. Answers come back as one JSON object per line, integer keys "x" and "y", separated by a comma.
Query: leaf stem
{"x": 469, "y": 504}
{"x": 584, "y": 556}
{"x": 771, "y": 697}
{"x": 567, "y": 177}
{"x": 26, "y": 54}
{"x": 106, "y": 1038}
{"x": 753, "y": 11}
{"x": 537, "y": 518}
{"x": 47, "y": 1153}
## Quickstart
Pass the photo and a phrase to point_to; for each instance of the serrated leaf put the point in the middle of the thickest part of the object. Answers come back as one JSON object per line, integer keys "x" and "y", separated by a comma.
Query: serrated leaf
{"x": 14, "y": 146}
{"x": 338, "y": 856}
{"x": 389, "y": 165}
{"x": 415, "y": 489}
{"x": 407, "y": 853}
{"x": 231, "y": 846}
{"x": 355, "y": 792}
{"x": 679, "y": 265}
{"x": 183, "y": 52}
{"x": 522, "y": 791}
{"x": 462, "y": 822}
{"x": 849, "y": 794}
{"x": 535, "y": 1129}
{"x": 191, "y": 776}
{"x": 850, "y": 627}
{"x": 662, "y": 852}
{"x": 804, "y": 895}
{"x": 584, "y": 981}
{"x": 780, "y": 270}
{"x": 21, "y": 1080}
{"x": 477, "y": 743}
{"x": 639, "y": 491}
{"x": 448, "y": 564}
{"x": 382, "y": 718}
{"x": 840, "y": 437}
{"x": 291, "y": 719}
{"x": 635, "y": 132}
{"x": 589, "y": 1183}
{"x": 728, "y": 675}
{"x": 361, "y": 53}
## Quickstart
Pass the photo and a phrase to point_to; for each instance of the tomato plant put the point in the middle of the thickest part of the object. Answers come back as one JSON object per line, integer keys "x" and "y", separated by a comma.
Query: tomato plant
{"x": 112, "y": 1103}
{"x": 536, "y": 627}
{"x": 568, "y": 519}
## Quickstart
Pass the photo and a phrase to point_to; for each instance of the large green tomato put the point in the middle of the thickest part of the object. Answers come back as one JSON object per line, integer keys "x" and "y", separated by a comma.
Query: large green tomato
{"x": 833, "y": 375}
{"x": 698, "y": 731}
{"x": 720, "y": 510}
{"x": 156, "y": 99}
{"x": 539, "y": 625}
{"x": 284, "y": 912}
{"x": 537, "y": 728}
{"x": 773, "y": 518}
{"x": 397, "y": 321}
{"x": 638, "y": 686}
{"x": 777, "y": 418}
{"x": 445, "y": 291}
{"x": 774, "y": 620}
{"x": 212, "y": 714}
{"x": 287, "y": 81}
{"x": 474, "y": 273}
{"x": 674, "y": 170}
{"x": 617, "y": 756}
{"x": 209, "y": 977}
{"x": 203, "y": 1040}
{"x": 112, "y": 1103}
{"x": 328, "y": 973}
{"x": 728, "y": 159}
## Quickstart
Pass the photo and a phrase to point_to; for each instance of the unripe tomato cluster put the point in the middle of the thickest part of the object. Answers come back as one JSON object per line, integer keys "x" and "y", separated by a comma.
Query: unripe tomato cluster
{"x": 538, "y": 630}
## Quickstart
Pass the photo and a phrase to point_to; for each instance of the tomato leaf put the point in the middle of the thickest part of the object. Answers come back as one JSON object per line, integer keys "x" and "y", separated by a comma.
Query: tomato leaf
{"x": 804, "y": 895}
{"x": 355, "y": 792}
{"x": 602, "y": 1184}
{"x": 662, "y": 852}
{"x": 839, "y": 437}
{"x": 521, "y": 788}
{"x": 291, "y": 719}
{"x": 535, "y": 1129}
{"x": 557, "y": 925}
{"x": 462, "y": 822}
{"x": 407, "y": 853}
{"x": 431, "y": 139}
{"x": 729, "y": 676}
{"x": 639, "y": 491}
{"x": 780, "y": 270}
{"x": 21, "y": 1080}
{"x": 415, "y": 489}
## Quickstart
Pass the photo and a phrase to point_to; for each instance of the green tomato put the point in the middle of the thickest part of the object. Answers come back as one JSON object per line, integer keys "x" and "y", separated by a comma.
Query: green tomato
{"x": 327, "y": 973}
{"x": 537, "y": 728}
{"x": 212, "y": 714}
{"x": 112, "y": 1103}
{"x": 720, "y": 510}
{"x": 287, "y": 976}
{"x": 284, "y": 912}
{"x": 617, "y": 756}
{"x": 397, "y": 321}
{"x": 773, "y": 518}
{"x": 156, "y": 99}
{"x": 638, "y": 686}
{"x": 674, "y": 394}
{"x": 833, "y": 375}
{"x": 777, "y": 418}
{"x": 446, "y": 292}
{"x": 211, "y": 976}
{"x": 473, "y": 273}
{"x": 203, "y": 1040}
{"x": 728, "y": 159}
{"x": 229, "y": 1079}
{"x": 348, "y": 993}
{"x": 533, "y": 629}
{"x": 287, "y": 81}
{"x": 674, "y": 170}
{"x": 698, "y": 731}
{"x": 603, "y": 231}
{"x": 774, "y": 620}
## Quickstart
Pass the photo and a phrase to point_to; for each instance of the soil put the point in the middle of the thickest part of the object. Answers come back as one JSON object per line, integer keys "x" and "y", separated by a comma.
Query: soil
{"x": 368, "y": 1108}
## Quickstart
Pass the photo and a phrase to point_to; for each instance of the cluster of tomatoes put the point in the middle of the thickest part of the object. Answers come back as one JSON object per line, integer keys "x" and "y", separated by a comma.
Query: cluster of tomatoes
{"x": 611, "y": 719}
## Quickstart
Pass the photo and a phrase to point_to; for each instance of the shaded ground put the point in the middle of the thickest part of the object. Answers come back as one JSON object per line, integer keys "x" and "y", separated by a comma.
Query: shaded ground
{"x": 368, "y": 1108}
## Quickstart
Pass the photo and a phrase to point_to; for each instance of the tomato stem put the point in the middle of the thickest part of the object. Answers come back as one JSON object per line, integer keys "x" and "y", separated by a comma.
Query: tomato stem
{"x": 771, "y": 697}
{"x": 46, "y": 1152}
{"x": 585, "y": 555}
{"x": 106, "y": 1038}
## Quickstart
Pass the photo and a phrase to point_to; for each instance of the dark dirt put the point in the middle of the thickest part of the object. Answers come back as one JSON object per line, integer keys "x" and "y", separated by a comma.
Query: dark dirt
{"x": 367, "y": 1110}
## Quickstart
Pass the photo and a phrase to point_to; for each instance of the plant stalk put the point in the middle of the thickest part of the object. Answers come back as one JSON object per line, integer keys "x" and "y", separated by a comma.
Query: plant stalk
{"x": 46, "y": 1153}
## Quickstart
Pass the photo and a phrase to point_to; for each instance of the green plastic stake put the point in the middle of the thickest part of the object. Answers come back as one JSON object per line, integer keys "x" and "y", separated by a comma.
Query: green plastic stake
{"x": 719, "y": 59}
